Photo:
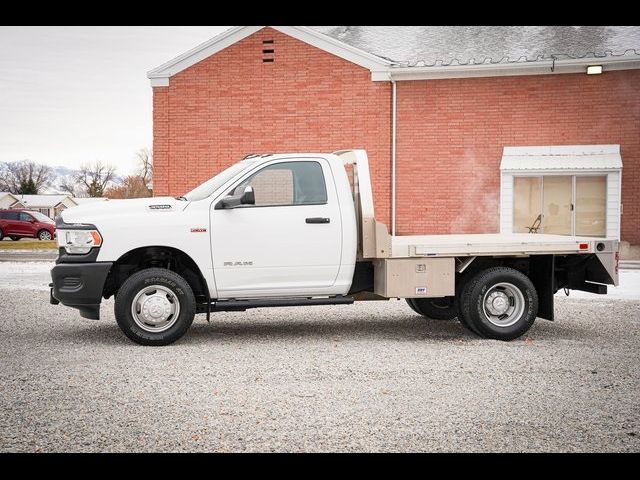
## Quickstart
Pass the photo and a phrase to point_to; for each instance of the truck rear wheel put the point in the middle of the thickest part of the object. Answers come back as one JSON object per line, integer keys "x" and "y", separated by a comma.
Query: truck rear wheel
{"x": 499, "y": 303}
{"x": 155, "y": 307}
{"x": 445, "y": 308}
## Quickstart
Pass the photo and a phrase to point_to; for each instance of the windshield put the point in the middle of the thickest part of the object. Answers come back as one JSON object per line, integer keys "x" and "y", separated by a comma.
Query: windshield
{"x": 210, "y": 186}
{"x": 40, "y": 217}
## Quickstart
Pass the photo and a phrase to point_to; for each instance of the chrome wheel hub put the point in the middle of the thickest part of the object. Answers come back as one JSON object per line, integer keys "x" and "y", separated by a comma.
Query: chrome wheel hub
{"x": 497, "y": 303}
{"x": 155, "y": 309}
{"x": 503, "y": 304}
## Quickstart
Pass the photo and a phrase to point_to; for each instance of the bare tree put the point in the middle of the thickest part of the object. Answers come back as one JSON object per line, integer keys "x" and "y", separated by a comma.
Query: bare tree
{"x": 94, "y": 178}
{"x": 145, "y": 166}
{"x": 69, "y": 185}
{"x": 137, "y": 185}
{"x": 132, "y": 186}
{"x": 25, "y": 177}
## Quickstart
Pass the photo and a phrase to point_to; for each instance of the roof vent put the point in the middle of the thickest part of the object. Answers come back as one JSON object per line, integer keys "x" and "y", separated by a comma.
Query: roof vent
{"x": 268, "y": 51}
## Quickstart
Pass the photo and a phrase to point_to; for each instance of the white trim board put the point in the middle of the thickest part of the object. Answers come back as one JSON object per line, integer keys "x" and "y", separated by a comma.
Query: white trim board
{"x": 547, "y": 67}
{"x": 160, "y": 76}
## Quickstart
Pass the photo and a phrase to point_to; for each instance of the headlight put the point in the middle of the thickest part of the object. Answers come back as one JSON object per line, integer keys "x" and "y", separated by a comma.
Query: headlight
{"x": 78, "y": 242}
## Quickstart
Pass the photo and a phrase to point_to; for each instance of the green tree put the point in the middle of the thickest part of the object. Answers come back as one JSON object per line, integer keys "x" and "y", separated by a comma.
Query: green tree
{"x": 28, "y": 187}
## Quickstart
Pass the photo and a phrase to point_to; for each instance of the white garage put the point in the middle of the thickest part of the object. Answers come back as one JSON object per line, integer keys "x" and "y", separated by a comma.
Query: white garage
{"x": 565, "y": 190}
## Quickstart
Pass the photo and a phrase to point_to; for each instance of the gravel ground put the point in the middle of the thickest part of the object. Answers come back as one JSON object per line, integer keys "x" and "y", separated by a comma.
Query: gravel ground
{"x": 369, "y": 377}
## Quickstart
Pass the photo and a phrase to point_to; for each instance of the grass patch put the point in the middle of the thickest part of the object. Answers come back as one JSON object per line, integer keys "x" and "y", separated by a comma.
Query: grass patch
{"x": 28, "y": 245}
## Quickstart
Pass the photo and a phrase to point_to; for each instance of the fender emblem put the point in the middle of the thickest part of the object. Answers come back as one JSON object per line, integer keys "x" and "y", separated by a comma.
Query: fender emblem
{"x": 198, "y": 230}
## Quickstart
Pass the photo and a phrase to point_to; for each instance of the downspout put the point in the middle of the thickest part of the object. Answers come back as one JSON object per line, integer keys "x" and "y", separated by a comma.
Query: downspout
{"x": 394, "y": 138}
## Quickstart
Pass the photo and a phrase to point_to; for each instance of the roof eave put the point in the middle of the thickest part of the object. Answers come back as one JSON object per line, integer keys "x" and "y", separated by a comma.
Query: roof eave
{"x": 202, "y": 51}
{"x": 547, "y": 67}
{"x": 383, "y": 69}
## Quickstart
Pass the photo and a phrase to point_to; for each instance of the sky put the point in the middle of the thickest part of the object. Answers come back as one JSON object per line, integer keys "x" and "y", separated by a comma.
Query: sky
{"x": 72, "y": 95}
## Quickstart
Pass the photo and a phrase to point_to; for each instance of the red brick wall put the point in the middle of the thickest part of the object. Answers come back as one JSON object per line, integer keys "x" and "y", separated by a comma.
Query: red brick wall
{"x": 233, "y": 104}
{"x": 162, "y": 164}
{"x": 450, "y": 132}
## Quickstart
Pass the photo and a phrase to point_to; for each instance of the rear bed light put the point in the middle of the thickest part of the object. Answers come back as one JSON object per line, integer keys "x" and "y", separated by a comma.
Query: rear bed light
{"x": 584, "y": 246}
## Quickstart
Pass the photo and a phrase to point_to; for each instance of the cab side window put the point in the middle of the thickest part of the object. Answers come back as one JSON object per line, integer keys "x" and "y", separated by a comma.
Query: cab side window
{"x": 25, "y": 217}
{"x": 287, "y": 184}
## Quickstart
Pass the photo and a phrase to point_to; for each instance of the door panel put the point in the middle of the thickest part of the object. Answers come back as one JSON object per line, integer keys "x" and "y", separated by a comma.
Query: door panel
{"x": 527, "y": 203}
{"x": 26, "y": 225}
{"x": 12, "y": 223}
{"x": 269, "y": 249}
{"x": 557, "y": 204}
{"x": 591, "y": 205}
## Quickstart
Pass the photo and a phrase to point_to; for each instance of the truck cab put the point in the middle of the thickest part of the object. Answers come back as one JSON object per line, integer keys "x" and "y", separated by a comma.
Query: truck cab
{"x": 298, "y": 229}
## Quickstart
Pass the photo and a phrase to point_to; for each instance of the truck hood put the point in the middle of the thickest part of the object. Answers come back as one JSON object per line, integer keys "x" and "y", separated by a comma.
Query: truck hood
{"x": 92, "y": 212}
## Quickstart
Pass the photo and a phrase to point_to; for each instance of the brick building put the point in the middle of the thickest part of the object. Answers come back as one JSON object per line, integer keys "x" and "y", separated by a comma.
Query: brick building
{"x": 489, "y": 128}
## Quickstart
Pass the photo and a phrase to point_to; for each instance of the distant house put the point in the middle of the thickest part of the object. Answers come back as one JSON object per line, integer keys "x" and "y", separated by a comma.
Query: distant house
{"x": 9, "y": 200}
{"x": 49, "y": 205}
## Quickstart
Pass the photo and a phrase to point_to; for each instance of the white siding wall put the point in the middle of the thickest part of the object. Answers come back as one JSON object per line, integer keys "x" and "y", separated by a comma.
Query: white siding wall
{"x": 613, "y": 205}
{"x": 506, "y": 203}
{"x": 6, "y": 201}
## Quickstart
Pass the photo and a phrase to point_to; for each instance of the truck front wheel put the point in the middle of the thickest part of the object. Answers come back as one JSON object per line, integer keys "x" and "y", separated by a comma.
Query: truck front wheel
{"x": 444, "y": 308}
{"x": 499, "y": 303}
{"x": 155, "y": 307}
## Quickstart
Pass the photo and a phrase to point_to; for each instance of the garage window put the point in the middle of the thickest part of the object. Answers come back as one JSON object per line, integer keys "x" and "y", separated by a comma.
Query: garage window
{"x": 560, "y": 204}
{"x": 561, "y": 190}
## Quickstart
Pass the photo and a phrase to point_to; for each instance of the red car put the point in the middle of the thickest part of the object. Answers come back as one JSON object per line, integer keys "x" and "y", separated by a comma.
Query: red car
{"x": 17, "y": 224}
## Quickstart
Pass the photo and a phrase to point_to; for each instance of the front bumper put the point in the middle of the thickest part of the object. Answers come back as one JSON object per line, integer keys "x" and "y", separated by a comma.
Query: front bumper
{"x": 80, "y": 285}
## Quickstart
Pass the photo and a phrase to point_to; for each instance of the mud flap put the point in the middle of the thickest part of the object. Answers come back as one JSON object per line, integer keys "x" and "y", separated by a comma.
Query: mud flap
{"x": 591, "y": 278}
{"x": 542, "y": 275}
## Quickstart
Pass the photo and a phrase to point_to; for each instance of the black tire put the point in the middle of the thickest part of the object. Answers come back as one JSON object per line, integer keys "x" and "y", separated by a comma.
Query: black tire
{"x": 412, "y": 305}
{"x": 137, "y": 283}
{"x": 42, "y": 234}
{"x": 1, "y": 235}
{"x": 519, "y": 295}
{"x": 445, "y": 308}
{"x": 461, "y": 292}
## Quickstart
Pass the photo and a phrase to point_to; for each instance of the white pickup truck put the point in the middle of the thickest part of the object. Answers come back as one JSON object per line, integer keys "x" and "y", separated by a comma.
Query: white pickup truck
{"x": 299, "y": 230}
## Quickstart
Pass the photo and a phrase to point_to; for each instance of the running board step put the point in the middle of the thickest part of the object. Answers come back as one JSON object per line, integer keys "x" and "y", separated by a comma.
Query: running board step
{"x": 242, "y": 305}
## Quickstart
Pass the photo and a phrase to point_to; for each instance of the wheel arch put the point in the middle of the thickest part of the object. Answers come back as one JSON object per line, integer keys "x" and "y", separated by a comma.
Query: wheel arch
{"x": 157, "y": 256}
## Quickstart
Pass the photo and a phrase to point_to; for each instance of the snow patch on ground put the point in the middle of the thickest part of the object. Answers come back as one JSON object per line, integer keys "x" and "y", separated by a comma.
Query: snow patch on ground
{"x": 25, "y": 275}
{"x": 629, "y": 288}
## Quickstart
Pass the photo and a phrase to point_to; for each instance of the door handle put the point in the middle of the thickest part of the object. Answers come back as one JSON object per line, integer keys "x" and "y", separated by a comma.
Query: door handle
{"x": 318, "y": 220}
